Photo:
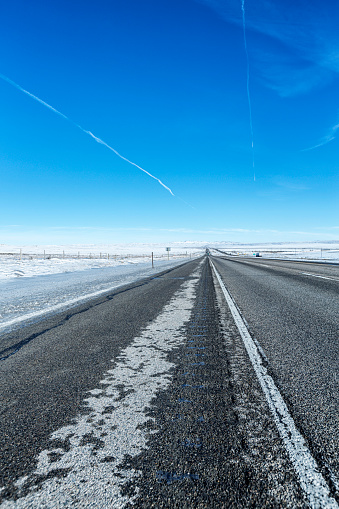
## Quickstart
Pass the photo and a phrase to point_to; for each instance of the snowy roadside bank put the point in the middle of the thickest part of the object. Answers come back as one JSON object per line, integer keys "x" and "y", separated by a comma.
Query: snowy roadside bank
{"x": 42, "y": 260}
{"x": 15, "y": 268}
{"x": 26, "y": 300}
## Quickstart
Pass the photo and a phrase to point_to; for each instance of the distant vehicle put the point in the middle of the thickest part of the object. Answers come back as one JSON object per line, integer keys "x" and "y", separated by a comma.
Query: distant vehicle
{"x": 257, "y": 254}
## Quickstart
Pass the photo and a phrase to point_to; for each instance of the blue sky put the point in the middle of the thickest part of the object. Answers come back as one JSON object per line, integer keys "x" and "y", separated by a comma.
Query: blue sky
{"x": 164, "y": 82}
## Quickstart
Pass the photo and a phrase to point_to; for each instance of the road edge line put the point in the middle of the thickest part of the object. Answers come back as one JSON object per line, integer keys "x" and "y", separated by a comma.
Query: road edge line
{"x": 310, "y": 478}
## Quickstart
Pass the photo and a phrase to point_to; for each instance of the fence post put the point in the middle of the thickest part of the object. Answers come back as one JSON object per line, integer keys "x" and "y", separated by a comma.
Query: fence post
{"x": 152, "y": 261}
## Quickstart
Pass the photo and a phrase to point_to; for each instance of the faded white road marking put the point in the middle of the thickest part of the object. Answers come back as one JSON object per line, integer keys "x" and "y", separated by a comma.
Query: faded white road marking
{"x": 310, "y": 478}
{"x": 318, "y": 275}
{"x": 114, "y": 426}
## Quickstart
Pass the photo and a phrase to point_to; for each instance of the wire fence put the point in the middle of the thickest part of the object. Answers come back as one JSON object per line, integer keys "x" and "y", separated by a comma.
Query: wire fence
{"x": 45, "y": 255}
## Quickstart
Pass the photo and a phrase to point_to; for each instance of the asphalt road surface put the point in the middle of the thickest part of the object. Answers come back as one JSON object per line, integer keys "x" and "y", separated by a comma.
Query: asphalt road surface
{"x": 292, "y": 309}
{"x": 147, "y": 396}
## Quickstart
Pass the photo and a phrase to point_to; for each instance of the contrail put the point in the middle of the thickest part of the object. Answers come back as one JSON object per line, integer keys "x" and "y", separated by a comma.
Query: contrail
{"x": 248, "y": 80}
{"x": 98, "y": 140}
{"x": 326, "y": 139}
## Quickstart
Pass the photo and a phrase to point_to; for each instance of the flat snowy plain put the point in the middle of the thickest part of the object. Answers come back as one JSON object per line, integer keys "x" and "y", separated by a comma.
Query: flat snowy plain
{"x": 40, "y": 280}
{"x": 314, "y": 251}
{"x": 37, "y": 260}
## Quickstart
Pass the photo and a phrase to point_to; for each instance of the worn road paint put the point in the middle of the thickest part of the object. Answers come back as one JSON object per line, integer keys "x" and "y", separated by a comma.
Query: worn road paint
{"x": 113, "y": 427}
{"x": 319, "y": 276}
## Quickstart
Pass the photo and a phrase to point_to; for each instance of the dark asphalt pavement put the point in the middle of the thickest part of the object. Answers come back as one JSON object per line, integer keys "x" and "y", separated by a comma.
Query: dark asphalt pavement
{"x": 58, "y": 360}
{"x": 183, "y": 421}
{"x": 292, "y": 309}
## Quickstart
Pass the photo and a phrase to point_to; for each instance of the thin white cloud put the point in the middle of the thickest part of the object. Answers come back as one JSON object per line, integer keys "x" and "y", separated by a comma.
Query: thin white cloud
{"x": 291, "y": 184}
{"x": 303, "y": 49}
{"x": 89, "y": 235}
{"x": 300, "y": 48}
{"x": 287, "y": 74}
{"x": 207, "y": 231}
{"x": 330, "y": 136}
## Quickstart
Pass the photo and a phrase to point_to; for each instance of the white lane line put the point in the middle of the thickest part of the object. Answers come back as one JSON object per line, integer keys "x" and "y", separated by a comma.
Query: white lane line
{"x": 113, "y": 427}
{"x": 310, "y": 478}
{"x": 319, "y": 276}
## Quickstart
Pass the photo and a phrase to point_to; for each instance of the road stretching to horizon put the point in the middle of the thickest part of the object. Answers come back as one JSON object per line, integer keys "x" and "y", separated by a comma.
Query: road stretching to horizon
{"x": 211, "y": 384}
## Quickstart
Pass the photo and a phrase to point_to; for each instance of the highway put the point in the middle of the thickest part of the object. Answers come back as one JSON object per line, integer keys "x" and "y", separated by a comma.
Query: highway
{"x": 147, "y": 396}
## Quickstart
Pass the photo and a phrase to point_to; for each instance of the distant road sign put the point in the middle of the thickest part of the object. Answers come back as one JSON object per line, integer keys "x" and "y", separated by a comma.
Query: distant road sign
{"x": 168, "y": 248}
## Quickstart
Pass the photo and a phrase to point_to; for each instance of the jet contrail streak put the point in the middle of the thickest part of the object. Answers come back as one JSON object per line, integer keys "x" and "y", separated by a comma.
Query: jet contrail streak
{"x": 98, "y": 140}
{"x": 34, "y": 97}
{"x": 248, "y": 80}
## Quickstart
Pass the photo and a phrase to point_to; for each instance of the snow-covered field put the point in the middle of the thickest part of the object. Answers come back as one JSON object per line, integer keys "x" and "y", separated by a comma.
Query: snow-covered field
{"x": 314, "y": 251}
{"x": 34, "y": 260}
